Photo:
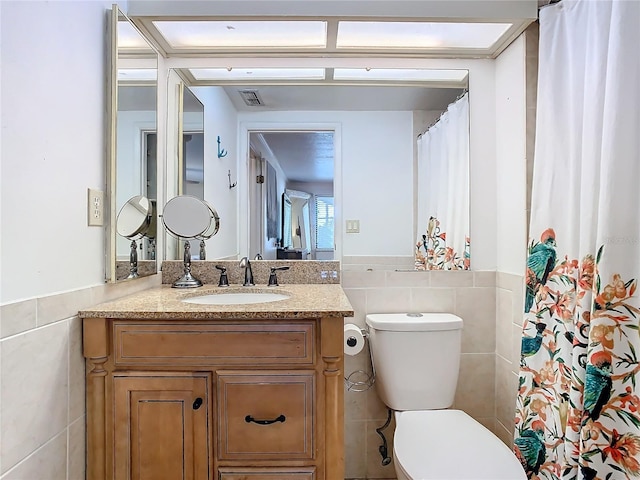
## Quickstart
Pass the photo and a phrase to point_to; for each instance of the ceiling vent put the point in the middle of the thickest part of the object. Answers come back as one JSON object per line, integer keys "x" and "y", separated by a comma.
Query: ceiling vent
{"x": 251, "y": 98}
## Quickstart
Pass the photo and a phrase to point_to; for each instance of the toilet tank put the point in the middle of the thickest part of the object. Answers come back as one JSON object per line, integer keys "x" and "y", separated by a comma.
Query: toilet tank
{"x": 416, "y": 358}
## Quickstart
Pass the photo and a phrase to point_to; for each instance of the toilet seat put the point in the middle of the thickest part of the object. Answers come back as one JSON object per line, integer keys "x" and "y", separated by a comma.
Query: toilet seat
{"x": 450, "y": 445}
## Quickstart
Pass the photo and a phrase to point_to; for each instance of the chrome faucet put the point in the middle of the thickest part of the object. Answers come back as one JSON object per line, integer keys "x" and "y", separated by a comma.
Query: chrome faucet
{"x": 248, "y": 273}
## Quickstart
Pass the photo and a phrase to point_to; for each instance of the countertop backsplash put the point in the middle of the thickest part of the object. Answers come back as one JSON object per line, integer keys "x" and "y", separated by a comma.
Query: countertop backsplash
{"x": 300, "y": 271}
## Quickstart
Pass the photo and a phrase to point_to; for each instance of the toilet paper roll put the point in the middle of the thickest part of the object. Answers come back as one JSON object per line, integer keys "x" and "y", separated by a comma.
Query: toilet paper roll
{"x": 353, "y": 339}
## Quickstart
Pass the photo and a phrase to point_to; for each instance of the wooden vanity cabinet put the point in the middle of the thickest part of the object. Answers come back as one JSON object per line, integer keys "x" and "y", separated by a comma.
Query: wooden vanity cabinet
{"x": 214, "y": 399}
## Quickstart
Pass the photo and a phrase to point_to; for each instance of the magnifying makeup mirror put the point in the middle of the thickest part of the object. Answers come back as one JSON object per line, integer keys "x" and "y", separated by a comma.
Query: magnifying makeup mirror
{"x": 189, "y": 217}
{"x": 137, "y": 219}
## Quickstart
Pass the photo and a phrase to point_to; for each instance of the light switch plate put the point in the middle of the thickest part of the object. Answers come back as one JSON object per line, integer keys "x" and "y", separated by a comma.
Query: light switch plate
{"x": 353, "y": 226}
{"x": 95, "y": 208}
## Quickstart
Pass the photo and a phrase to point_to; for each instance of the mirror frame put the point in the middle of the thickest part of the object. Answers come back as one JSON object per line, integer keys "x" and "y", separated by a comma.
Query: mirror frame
{"x": 174, "y": 160}
{"x": 111, "y": 140}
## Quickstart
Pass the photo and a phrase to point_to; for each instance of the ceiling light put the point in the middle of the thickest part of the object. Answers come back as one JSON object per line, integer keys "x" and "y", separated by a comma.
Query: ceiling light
{"x": 243, "y": 34}
{"x": 258, "y": 73}
{"x": 425, "y": 35}
{"x": 400, "y": 74}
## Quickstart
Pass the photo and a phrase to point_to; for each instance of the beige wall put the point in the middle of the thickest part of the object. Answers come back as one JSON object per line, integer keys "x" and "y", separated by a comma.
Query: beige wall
{"x": 472, "y": 295}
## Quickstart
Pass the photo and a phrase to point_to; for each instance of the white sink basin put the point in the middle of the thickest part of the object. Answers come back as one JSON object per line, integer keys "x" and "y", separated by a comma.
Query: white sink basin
{"x": 236, "y": 298}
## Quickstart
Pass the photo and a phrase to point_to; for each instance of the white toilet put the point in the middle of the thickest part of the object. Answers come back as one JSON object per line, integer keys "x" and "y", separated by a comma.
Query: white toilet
{"x": 416, "y": 358}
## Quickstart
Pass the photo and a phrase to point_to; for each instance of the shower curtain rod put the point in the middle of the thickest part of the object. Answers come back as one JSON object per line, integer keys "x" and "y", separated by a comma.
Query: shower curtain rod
{"x": 464, "y": 92}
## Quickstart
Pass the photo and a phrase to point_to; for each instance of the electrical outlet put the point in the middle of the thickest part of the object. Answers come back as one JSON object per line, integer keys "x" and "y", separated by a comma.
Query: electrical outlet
{"x": 95, "y": 208}
{"x": 353, "y": 226}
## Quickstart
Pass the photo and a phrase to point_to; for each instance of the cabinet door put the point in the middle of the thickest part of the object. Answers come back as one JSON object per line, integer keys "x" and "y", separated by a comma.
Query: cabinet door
{"x": 161, "y": 426}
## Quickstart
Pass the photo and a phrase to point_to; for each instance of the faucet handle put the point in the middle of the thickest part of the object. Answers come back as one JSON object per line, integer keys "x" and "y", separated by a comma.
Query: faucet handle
{"x": 224, "y": 279}
{"x": 273, "y": 279}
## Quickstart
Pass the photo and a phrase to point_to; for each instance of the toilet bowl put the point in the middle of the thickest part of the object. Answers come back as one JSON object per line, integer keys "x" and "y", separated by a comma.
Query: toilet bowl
{"x": 416, "y": 358}
{"x": 450, "y": 445}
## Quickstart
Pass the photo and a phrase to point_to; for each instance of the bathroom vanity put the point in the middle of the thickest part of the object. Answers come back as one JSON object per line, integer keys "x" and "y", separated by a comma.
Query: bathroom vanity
{"x": 227, "y": 392}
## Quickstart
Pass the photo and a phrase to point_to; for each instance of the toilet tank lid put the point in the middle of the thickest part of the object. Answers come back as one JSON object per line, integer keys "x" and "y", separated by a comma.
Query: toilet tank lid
{"x": 414, "y": 322}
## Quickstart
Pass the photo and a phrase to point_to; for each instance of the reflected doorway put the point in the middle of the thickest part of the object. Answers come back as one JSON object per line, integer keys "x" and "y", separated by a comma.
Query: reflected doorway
{"x": 299, "y": 165}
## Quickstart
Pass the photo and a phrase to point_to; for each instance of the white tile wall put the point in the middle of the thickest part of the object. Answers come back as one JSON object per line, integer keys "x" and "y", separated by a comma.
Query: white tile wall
{"x": 48, "y": 462}
{"x": 35, "y": 380}
{"x": 42, "y": 383}
{"x": 509, "y": 315}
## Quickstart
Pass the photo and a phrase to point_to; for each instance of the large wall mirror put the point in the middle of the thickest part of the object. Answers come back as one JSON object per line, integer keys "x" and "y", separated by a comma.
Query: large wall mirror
{"x": 132, "y": 185}
{"x": 298, "y": 142}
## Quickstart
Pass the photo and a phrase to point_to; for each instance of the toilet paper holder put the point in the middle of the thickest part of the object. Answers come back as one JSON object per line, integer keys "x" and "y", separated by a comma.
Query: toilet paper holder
{"x": 359, "y": 380}
{"x": 352, "y": 341}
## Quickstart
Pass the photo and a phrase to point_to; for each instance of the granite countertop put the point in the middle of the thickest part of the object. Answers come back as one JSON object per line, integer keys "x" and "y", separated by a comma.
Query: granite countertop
{"x": 165, "y": 303}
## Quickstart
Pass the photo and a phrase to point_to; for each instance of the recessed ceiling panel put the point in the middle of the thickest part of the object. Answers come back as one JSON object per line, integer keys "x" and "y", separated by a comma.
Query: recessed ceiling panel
{"x": 243, "y": 34}
{"x": 250, "y": 74}
{"x": 400, "y": 74}
{"x": 419, "y": 35}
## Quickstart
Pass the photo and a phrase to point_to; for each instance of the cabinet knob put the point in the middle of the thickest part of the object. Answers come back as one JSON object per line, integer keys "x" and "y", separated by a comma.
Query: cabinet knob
{"x": 250, "y": 419}
{"x": 197, "y": 403}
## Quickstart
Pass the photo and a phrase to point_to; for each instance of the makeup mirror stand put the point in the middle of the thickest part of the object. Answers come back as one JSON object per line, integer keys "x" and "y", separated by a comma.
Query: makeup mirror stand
{"x": 188, "y": 217}
{"x": 133, "y": 260}
{"x": 187, "y": 280}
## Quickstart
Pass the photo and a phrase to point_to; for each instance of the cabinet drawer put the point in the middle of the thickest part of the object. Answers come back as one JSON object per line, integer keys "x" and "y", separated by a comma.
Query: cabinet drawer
{"x": 182, "y": 343}
{"x": 300, "y": 473}
{"x": 265, "y": 415}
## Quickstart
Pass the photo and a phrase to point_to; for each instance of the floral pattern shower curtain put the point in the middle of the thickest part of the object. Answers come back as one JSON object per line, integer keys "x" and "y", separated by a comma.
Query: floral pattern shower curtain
{"x": 577, "y": 408}
{"x": 443, "y": 191}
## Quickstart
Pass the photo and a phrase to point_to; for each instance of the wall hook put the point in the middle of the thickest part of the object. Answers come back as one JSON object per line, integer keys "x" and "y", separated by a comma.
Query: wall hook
{"x": 231, "y": 185}
{"x": 221, "y": 151}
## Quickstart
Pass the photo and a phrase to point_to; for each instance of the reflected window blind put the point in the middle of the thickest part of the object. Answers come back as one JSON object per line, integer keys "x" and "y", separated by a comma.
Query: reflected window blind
{"x": 324, "y": 222}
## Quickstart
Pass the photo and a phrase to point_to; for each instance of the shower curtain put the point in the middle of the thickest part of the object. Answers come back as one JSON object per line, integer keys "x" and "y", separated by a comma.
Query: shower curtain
{"x": 578, "y": 394}
{"x": 443, "y": 191}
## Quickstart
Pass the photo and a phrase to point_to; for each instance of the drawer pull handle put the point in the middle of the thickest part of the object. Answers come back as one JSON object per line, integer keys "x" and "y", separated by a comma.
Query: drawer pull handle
{"x": 250, "y": 419}
{"x": 197, "y": 404}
